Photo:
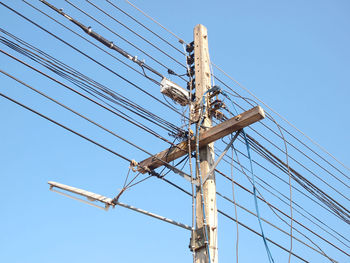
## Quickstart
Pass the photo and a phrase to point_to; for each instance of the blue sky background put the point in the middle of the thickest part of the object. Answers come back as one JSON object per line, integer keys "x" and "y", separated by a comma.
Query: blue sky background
{"x": 294, "y": 55}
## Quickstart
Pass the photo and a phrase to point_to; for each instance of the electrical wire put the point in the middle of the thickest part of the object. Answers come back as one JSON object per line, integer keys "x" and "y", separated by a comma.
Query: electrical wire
{"x": 66, "y": 128}
{"x": 256, "y": 199}
{"x": 290, "y": 198}
{"x": 182, "y": 41}
{"x": 82, "y": 37}
{"x": 103, "y": 40}
{"x": 331, "y": 203}
{"x": 128, "y": 28}
{"x": 82, "y": 116}
{"x": 235, "y": 207}
{"x": 293, "y": 146}
{"x": 286, "y": 215}
{"x": 149, "y": 17}
{"x": 242, "y": 224}
{"x": 254, "y": 191}
{"x": 89, "y": 57}
{"x": 117, "y": 98}
{"x": 323, "y": 149}
{"x": 80, "y": 95}
{"x": 278, "y": 228}
{"x": 327, "y": 209}
{"x": 291, "y": 157}
{"x": 133, "y": 58}
{"x": 272, "y": 209}
{"x": 147, "y": 28}
{"x": 155, "y": 22}
{"x": 251, "y": 167}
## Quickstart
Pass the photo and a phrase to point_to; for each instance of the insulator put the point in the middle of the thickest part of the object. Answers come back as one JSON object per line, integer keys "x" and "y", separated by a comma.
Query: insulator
{"x": 193, "y": 85}
{"x": 190, "y": 72}
{"x": 190, "y": 47}
{"x": 193, "y": 96}
{"x": 217, "y": 104}
{"x": 214, "y": 93}
{"x": 190, "y": 59}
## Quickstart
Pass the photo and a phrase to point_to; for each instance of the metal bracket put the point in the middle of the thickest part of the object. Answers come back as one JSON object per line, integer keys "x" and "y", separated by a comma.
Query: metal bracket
{"x": 198, "y": 239}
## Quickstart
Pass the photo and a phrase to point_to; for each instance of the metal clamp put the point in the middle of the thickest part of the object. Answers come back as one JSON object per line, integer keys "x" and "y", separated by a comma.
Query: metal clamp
{"x": 197, "y": 241}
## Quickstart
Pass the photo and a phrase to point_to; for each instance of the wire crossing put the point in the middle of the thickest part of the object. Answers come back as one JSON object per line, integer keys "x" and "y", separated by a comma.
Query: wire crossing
{"x": 298, "y": 189}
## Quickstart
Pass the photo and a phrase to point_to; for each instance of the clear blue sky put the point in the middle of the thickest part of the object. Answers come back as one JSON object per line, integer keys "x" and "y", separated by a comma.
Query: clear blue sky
{"x": 294, "y": 55}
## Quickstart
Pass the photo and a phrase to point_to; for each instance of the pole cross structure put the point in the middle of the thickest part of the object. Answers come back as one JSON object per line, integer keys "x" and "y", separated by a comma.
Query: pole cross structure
{"x": 204, "y": 239}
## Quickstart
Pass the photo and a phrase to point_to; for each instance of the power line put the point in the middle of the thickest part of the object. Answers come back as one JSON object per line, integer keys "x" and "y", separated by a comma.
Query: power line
{"x": 174, "y": 35}
{"x": 103, "y": 40}
{"x": 65, "y": 127}
{"x": 289, "y": 143}
{"x": 323, "y": 149}
{"x": 147, "y": 28}
{"x": 147, "y": 41}
{"x": 318, "y": 193}
{"x": 268, "y": 239}
{"x": 84, "y": 117}
{"x": 182, "y": 41}
{"x": 149, "y": 17}
{"x": 286, "y": 215}
{"x": 73, "y": 111}
{"x": 275, "y": 175}
{"x": 86, "y": 97}
{"x": 245, "y": 226}
{"x": 111, "y": 44}
{"x": 89, "y": 57}
{"x": 274, "y": 226}
{"x": 263, "y": 152}
{"x": 77, "y": 34}
{"x": 116, "y": 98}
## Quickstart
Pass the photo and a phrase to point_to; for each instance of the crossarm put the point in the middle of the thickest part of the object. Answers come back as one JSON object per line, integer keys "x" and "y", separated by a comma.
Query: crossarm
{"x": 212, "y": 134}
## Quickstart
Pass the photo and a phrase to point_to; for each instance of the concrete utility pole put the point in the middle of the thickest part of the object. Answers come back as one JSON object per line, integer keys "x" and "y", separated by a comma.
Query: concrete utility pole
{"x": 206, "y": 154}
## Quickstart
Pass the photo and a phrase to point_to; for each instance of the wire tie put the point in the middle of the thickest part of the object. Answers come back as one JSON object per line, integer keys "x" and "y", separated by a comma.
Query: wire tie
{"x": 133, "y": 165}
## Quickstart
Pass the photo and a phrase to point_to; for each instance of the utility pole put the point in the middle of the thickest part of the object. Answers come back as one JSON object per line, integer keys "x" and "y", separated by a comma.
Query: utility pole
{"x": 204, "y": 238}
{"x": 206, "y": 154}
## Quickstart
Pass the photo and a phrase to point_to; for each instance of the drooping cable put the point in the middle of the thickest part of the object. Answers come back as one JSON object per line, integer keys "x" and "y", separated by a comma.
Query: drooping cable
{"x": 63, "y": 69}
{"x": 269, "y": 117}
{"x": 255, "y": 196}
{"x": 89, "y": 120}
{"x": 318, "y": 250}
{"x": 242, "y": 224}
{"x": 235, "y": 207}
{"x": 256, "y": 199}
{"x": 337, "y": 208}
{"x": 288, "y": 216}
{"x": 89, "y": 57}
{"x": 60, "y": 83}
{"x": 311, "y": 140}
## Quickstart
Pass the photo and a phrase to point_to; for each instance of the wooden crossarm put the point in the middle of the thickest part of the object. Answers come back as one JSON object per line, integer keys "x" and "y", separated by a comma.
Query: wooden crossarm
{"x": 212, "y": 134}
